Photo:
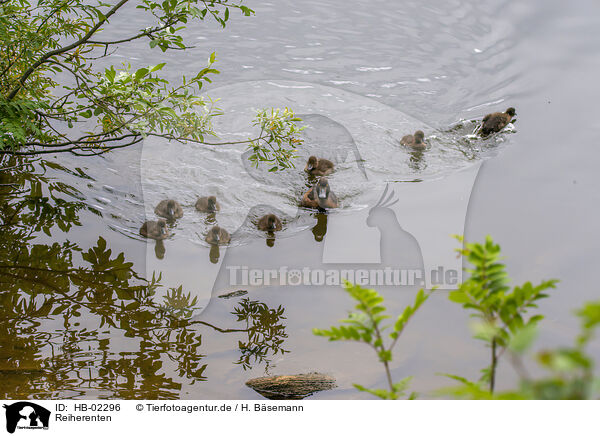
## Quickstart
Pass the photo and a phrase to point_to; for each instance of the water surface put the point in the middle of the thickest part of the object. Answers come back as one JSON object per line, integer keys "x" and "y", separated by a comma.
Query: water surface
{"x": 422, "y": 66}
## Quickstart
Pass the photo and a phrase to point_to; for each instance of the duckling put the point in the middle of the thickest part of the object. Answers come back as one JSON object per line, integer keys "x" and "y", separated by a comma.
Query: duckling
{"x": 415, "y": 141}
{"x": 154, "y": 229}
{"x": 270, "y": 223}
{"x": 320, "y": 196}
{"x": 218, "y": 236}
{"x": 497, "y": 121}
{"x": 318, "y": 167}
{"x": 208, "y": 204}
{"x": 169, "y": 209}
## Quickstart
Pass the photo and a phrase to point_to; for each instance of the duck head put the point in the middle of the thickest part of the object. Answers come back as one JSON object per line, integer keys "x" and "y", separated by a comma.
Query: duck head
{"x": 171, "y": 208}
{"x": 271, "y": 222}
{"x": 212, "y": 203}
{"x": 419, "y": 136}
{"x": 311, "y": 164}
{"x": 511, "y": 111}
{"x": 215, "y": 233}
{"x": 322, "y": 188}
{"x": 162, "y": 227}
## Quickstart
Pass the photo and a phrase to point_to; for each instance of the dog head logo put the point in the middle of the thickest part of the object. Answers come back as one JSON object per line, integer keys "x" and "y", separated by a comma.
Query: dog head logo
{"x": 26, "y": 415}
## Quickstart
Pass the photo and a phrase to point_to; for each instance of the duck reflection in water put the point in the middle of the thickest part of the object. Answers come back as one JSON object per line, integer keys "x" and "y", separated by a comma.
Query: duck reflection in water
{"x": 320, "y": 229}
{"x": 214, "y": 254}
{"x": 159, "y": 249}
{"x": 416, "y": 161}
{"x": 210, "y": 219}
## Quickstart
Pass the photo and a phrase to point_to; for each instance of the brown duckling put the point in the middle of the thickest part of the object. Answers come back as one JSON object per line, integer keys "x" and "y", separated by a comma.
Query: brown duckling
{"x": 320, "y": 196}
{"x": 416, "y": 141}
{"x": 497, "y": 121}
{"x": 218, "y": 236}
{"x": 208, "y": 204}
{"x": 270, "y": 223}
{"x": 154, "y": 229}
{"x": 169, "y": 209}
{"x": 318, "y": 167}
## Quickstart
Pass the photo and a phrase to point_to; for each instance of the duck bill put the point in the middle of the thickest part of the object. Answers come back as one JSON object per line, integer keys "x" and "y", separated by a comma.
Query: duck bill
{"x": 321, "y": 193}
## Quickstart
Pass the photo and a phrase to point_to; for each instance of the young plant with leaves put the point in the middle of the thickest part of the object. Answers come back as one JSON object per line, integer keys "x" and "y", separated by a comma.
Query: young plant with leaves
{"x": 366, "y": 325}
{"x": 571, "y": 369}
{"x": 53, "y": 99}
{"x": 278, "y": 129}
{"x": 501, "y": 311}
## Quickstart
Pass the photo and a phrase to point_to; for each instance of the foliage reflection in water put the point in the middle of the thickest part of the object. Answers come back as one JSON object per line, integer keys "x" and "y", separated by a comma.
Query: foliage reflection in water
{"x": 79, "y": 321}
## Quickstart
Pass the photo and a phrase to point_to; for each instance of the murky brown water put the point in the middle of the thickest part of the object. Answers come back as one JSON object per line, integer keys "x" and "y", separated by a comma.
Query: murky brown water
{"x": 79, "y": 318}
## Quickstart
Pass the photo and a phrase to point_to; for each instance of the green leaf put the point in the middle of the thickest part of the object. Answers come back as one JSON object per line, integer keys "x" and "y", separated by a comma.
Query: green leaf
{"x": 157, "y": 67}
{"x": 458, "y": 296}
{"x": 523, "y": 339}
{"x": 141, "y": 73}
{"x": 110, "y": 74}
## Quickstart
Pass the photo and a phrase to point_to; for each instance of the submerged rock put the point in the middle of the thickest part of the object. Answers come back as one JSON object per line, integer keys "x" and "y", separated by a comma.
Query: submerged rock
{"x": 233, "y": 294}
{"x": 291, "y": 387}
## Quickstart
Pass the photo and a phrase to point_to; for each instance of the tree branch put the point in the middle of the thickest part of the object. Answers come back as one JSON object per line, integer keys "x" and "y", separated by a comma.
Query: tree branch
{"x": 65, "y": 49}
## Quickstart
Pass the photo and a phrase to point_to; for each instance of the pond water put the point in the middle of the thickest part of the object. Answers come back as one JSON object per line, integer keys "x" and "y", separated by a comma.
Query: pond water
{"x": 360, "y": 79}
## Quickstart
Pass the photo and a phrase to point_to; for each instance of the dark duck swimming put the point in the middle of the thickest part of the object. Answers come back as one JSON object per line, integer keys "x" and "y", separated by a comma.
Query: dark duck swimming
{"x": 416, "y": 141}
{"x": 497, "y": 121}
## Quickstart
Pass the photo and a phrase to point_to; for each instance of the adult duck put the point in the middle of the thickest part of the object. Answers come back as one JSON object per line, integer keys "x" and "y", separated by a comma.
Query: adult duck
{"x": 320, "y": 196}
